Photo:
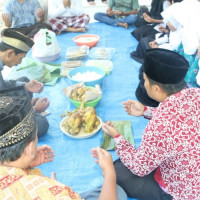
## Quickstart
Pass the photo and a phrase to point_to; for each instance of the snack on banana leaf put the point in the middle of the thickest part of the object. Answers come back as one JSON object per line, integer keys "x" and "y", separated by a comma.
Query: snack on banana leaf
{"x": 79, "y": 92}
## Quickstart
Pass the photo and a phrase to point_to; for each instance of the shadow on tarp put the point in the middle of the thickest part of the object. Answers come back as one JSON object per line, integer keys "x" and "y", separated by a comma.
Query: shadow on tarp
{"x": 73, "y": 163}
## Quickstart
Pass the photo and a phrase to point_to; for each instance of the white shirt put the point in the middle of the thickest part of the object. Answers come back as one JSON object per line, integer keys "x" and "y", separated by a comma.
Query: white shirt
{"x": 198, "y": 76}
{"x": 172, "y": 43}
{"x": 57, "y": 9}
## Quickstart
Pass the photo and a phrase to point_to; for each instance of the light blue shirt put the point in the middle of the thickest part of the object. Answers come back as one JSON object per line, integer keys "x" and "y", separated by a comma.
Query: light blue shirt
{"x": 2, "y": 84}
{"x": 7, "y": 84}
{"x": 22, "y": 14}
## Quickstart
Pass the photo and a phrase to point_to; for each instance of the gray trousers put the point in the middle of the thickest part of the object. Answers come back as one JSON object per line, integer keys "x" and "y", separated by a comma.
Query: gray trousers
{"x": 94, "y": 193}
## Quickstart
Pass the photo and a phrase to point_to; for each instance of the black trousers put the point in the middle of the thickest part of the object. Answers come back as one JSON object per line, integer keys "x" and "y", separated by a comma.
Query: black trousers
{"x": 144, "y": 31}
{"x": 143, "y": 188}
{"x": 30, "y": 31}
{"x": 41, "y": 121}
{"x": 142, "y": 46}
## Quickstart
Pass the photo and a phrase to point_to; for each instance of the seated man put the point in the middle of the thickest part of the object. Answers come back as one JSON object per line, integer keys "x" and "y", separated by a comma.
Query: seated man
{"x": 67, "y": 16}
{"x": 19, "y": 153}
{"x": 92, "y": 2}
{"x": 119, "y": 13}
{"x": 166, "y": 164}
{"x": 13, "y": 48}
{"x": 25, "y": 16}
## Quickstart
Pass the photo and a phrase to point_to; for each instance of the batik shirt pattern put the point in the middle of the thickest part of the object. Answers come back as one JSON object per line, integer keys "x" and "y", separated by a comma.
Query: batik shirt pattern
{"x": 18, "y": 184}
{"x": 170, "y": 143}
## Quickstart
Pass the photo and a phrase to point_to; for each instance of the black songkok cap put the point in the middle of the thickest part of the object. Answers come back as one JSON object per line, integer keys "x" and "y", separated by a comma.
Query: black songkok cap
{"x": 165, "y": 66}
{"x": 16, "y": 39}
{"x": 16, "y": 116}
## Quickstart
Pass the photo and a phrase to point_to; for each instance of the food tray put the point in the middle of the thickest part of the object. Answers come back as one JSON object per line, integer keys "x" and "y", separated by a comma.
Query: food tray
{"x": 102, "y": 53}
{"x": 77, "y": 53}
{"x": 106, "y": 65}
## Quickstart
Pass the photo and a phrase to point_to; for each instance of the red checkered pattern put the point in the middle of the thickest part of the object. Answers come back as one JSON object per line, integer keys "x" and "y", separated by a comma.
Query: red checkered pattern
{"x": 60, "y": 24}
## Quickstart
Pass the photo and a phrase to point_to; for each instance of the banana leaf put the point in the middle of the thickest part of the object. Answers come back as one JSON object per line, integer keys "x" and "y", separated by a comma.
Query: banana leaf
{"x": 42, "y": 72}
{"x": 124, "y": 127}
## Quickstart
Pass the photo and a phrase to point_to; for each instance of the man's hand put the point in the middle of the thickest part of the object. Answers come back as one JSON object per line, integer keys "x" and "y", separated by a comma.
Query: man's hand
{"x": 110, "y": 12}
{"x": 41, "y": 105}
{"x": 44, "y": 154}
{"x": 53, "y": 176}
{"x": 134, "y": 108}
{"x": 6, "y": 19}
{"x": 40, "y": 14}
{"x": 34, "y": 100}
{"x": 109, "y": 129}
{"x": 119, "y": 13}
{"x": 153, "y": 44}
{"x": 34, "y": 86}
{"x": 147, "y": 18}
{"x": 104, "y": 159}
{"x": 162, "y": 29}
{"x": 66, "y": 3}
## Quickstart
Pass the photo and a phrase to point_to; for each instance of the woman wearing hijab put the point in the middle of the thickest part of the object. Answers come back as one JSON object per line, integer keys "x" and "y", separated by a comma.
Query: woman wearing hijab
{"x": 189, "y": 16}
{"x": 151, "y": 20}
{"x": 169, "y": 41}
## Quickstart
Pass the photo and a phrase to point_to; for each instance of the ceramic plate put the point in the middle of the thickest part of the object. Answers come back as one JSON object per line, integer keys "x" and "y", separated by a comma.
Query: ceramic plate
{"x": 81, "y": 134}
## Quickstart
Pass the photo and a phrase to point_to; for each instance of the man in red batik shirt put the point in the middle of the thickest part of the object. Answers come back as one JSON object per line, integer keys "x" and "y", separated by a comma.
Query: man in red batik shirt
{"x": 167, "y": 163}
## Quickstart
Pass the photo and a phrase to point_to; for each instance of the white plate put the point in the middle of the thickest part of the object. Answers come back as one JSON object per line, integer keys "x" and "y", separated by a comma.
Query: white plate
{"x": 82, "y": 134}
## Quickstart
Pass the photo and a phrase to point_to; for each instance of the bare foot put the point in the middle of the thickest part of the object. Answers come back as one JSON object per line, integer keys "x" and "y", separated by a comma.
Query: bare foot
{"x": 92, "y": 3}
{"x": 105, "y": 2}
{"x": 70, "y": 29}
{"x": 125, "y": 25}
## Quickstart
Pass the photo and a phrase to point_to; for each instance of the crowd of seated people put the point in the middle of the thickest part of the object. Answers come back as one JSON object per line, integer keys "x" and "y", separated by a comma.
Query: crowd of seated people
{"x": 166, "y": 165}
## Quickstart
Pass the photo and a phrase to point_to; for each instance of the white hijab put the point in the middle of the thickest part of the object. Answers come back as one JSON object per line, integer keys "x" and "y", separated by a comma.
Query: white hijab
{"x": 168, "y": 15}
{"x": 175, "y": 38}
{"x": 188, "y": 15}
{"x": 198, "y": 75}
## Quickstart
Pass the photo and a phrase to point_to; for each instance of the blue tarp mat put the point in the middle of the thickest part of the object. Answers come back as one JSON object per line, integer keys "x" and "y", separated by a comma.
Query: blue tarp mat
{"x": 73, "y": 163}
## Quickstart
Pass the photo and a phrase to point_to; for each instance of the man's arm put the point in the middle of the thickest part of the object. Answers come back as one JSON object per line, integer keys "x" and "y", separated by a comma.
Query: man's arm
{"x": 6, "y": 19}
{"x": 151, "y": 152}
{"x": 121, "y": 13}
{"x": 134, "y": 7}
{"x": 104, "y": 159}
{"x": 7, "y": 15}
{"x": 39, "y": 11}
{"x": 147, "y": 18}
